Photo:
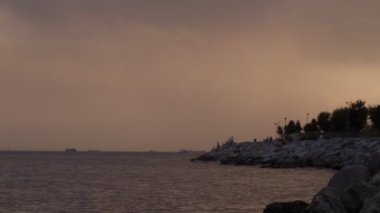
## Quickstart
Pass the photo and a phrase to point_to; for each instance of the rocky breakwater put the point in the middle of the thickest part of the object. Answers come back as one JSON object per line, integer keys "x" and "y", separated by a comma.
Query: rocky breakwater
{"x": 333, "y": 153}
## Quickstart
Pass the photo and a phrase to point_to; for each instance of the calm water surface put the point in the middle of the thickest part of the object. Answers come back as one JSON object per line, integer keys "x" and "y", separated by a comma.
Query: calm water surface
{"x": 144, "y": 182}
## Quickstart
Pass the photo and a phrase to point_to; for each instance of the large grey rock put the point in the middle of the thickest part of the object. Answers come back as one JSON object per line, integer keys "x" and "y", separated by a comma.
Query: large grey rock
{"x": 372, "y": 205}
{"x": 345, "y": 192}
{"x": 346, "y": 177}
{"x": 355, "y": 196}
{"x": 326, "y": 201}
{"x": 374, "y": 164}
{"x": 375, "y": 180}
{"x": 286, "y": 207}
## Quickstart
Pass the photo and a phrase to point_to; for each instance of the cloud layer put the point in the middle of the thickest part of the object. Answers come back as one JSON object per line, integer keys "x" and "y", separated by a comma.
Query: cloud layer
{"x": 141, "y": 75}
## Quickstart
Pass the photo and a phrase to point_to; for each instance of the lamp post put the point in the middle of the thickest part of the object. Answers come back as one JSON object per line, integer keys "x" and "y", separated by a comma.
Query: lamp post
{"x": 307, "y": 118}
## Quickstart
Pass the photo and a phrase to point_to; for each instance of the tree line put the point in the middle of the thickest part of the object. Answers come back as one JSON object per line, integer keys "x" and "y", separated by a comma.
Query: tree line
{"x": 354, "y": 119}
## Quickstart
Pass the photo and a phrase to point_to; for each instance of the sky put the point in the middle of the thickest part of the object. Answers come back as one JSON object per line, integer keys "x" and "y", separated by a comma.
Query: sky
{"x": 138, "y": 75}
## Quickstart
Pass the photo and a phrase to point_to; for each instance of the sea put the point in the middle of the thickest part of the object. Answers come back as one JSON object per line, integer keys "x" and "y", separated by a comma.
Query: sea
{"x": 145, "y": 182}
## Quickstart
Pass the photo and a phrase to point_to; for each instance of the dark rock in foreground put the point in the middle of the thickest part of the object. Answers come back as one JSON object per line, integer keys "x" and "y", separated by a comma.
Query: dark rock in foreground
{"x": 346, "y": 191}
{"x": 350, "y": 190}
{"x": 286, "y": 207}
{"x": 372, "y": 205}
{"x": 330, "y": 153}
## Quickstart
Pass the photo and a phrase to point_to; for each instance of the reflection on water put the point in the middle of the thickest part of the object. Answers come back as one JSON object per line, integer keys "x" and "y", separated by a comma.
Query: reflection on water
{"x": 144, "y": 182}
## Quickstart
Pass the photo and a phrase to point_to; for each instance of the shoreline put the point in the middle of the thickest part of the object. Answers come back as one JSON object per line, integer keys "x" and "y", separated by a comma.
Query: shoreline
{"x": 334, "y": 153}
{"x": 355, "y": 188}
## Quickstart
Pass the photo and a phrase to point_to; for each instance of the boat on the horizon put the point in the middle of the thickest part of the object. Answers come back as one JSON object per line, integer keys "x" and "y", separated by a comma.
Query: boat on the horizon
{"x": 184, "y": 151}
{"x": 71, "y": 150}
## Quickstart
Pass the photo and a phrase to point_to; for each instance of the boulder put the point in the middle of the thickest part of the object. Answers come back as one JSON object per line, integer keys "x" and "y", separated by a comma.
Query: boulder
{"x": 346, "y": 177}
{"x": 355, "y": 196}
{"x": 286, "y": 207}
{"x": 374, "y": 164}
{"x": 345, "y": 192}
{"x": 372, "y": 205}
{"x": 375, "y": 180}
{"x": 326, "y": 201}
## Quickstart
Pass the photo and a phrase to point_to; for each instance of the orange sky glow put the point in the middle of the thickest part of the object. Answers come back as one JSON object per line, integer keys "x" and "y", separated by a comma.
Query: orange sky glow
{"x": 164, "y": 75}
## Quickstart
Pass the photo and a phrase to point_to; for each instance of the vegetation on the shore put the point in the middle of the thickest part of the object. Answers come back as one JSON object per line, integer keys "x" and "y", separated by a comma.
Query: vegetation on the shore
{"x": 354, "y": 119}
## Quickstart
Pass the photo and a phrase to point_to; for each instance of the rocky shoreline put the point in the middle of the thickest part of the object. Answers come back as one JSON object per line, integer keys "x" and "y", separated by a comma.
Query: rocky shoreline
{"x": 324, "y": 153}
{"x": 353, "y": 189}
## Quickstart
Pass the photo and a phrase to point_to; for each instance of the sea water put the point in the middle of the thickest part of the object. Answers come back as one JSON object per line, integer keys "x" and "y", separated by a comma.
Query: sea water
{"x": 145, "y": 182}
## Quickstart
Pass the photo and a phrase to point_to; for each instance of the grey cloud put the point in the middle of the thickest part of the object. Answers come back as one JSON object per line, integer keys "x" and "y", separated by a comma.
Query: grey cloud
{"x": 39, "y": 12}
{"x": 170, "y": 74}
{"x": 166, "y": 12}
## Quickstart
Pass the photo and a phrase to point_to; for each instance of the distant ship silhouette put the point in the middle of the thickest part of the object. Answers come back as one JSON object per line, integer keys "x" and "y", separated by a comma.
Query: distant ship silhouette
{"x": 183, "y": 151}
{"x": 70, "y": 150}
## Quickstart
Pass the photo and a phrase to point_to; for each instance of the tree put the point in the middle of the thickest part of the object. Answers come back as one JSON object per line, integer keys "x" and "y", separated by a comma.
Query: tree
{"x": 298, "y": 126}
{"x": 324, "y": 121}
{"x": 339, "y": 121}
{"x": 280, "y": 131}
{"x": 312, "y": 126}
{"x": 374, "y": 115}
{"x": 290, "y": 128}
{"x": 358, "y": 114}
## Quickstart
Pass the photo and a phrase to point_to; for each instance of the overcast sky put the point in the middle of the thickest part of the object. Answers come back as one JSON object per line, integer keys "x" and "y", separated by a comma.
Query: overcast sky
{"x": 169, "y": 74}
